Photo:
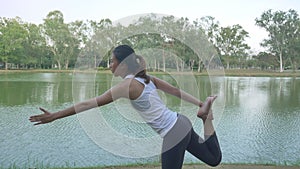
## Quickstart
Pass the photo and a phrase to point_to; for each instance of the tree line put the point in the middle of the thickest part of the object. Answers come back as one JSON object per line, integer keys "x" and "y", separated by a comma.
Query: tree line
{"x": 87, "y": 44}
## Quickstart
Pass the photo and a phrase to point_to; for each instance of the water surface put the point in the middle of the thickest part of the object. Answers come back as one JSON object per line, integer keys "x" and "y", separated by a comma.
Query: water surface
{"x": 259, "y": 122}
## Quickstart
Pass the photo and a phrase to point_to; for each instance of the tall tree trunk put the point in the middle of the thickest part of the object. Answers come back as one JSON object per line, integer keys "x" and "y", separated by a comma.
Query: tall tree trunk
{"x": 58, "y": 64}
{"x": 155, "y": 65}
{"x": 108, "y": 62}
{"x": 67, "y": 65}
{"x": 6, "y": 62}
{"x": 192, "y": 64}
{"x": 6, "y": 65}
{"x": 95, "y": 61}
{"x": 158, "y": 66}
{"x": 294, "y": 66}
{"x": 280, "y": 60}
{"x": 199, "y": 66}
{"x": 164, "y": 62}
{"x": 177, "y": 65}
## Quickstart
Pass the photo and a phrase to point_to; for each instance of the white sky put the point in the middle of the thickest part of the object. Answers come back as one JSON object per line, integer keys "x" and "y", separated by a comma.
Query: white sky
{"x": 227, "y": 12}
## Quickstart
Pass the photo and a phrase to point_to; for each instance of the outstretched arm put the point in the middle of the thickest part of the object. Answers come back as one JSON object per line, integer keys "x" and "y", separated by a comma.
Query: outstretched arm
{"x": 168, "y": 88}
{"x": 109, "y": 96}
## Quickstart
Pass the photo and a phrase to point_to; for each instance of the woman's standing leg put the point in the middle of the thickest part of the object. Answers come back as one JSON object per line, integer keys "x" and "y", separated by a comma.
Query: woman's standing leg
{"x": 175, "y": 144}
{"x": 174, "y": 157}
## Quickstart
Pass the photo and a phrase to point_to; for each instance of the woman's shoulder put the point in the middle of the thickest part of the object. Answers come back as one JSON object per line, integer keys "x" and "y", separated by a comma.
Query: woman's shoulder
{"x": 154, "y": 80}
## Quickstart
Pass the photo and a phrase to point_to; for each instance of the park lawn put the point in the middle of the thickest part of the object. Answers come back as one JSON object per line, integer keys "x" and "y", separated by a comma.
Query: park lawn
{"x": 202, "y": 166}
{"x": 226, "y": 72}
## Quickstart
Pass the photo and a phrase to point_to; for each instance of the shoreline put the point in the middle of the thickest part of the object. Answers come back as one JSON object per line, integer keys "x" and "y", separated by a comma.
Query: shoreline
{"x": 229, "y": 72}
{"x": 200, "y": 166}
{"x": 185, "y": 166}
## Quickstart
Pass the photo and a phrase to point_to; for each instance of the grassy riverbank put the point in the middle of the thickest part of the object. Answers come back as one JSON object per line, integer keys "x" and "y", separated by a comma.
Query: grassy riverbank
{"x": 201, "y": 166}
{"x": 158, "y": 166}
{"x": 253, "y": 72}
{"x": 230, "y": 72}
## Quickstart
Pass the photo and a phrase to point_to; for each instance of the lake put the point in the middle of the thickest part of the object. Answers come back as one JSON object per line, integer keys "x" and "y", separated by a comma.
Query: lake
{"x": 257, "y": 120}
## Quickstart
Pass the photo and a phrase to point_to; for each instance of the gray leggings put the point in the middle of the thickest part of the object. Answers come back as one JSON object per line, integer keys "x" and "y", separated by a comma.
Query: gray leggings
{"x": 183, "y": 137}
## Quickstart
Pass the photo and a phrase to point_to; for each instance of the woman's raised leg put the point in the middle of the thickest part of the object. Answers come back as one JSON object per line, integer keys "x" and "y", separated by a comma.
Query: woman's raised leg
{"x": 208, "y": 149}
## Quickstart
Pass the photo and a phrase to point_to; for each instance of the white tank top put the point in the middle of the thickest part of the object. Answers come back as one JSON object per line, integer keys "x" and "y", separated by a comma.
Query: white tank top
{"x": 152, "y": 109}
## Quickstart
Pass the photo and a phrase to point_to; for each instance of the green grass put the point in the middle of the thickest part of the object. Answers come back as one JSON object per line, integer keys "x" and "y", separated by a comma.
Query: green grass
{"x": 229, "y": 72}
{"x": 69, "y": 166}
{"x": 142, "y": 166}
{"x": 261, "y": 73}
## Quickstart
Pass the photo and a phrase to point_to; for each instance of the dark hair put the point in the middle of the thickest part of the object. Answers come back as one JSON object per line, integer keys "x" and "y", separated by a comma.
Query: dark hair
{"x": 123, "y": 51}
{"x": 136, "y": 64}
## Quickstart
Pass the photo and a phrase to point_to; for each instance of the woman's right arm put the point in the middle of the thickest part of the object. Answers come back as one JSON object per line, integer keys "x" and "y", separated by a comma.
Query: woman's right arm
{"x": 168, "y": 88}
{"x": 109, "y": 96}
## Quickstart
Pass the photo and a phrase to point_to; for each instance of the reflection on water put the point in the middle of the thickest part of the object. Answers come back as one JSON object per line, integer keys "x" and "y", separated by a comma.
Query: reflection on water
{"x": 37, "y": 88}
{"x": 260, "y": 122}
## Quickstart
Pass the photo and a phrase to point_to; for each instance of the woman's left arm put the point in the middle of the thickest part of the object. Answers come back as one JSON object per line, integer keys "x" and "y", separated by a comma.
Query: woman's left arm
{"x": 170, "y": 89}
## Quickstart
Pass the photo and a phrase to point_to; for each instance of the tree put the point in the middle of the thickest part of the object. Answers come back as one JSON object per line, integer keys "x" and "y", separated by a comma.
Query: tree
{"x": 176, "y": 38}
{"x": 12, "y": 36}
{"x": 100, "y": 38}
{"x": 228, "y": 41}
{"x": 210, "y": 26}
{"x": 208, "y": 29}
{"x": 294, "y": 47}
{"x": 282, "y": 28}
{"x": 266, "y": 60}
{"x": 231, "y": 43}
{"x": 61, "y": 41}
{"x": 35, "y": 50}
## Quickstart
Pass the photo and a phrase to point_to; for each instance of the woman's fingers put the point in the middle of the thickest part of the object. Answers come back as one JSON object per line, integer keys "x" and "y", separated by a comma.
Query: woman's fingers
{"x": 43, "y": 110}
{"x": 35, "y": 118}
{"x": 41, "y": 118}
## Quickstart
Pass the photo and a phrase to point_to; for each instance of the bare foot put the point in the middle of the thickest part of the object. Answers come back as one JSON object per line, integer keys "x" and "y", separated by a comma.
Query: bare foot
{"x": 206, "y": 107}
{"x": 210, "y": 115}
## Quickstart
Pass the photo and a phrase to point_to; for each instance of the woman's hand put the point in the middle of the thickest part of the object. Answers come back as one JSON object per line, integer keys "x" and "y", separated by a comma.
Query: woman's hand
{"x": 46, "y": 117}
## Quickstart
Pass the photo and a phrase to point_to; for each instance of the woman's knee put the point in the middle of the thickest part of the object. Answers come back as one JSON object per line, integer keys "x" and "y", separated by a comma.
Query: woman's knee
{"x": 216, "y": 161}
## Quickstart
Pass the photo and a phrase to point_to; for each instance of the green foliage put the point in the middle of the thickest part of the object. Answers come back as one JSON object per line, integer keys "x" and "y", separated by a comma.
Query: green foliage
{"x": 12, "y": 37}
{"x": 283, "y": 28}
{"x": 60, "y": 40}
{"x": 85, "y": 44}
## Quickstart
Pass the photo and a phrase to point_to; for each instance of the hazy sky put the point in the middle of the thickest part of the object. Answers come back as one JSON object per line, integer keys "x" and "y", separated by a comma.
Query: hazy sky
{"x": 227, "y": 12}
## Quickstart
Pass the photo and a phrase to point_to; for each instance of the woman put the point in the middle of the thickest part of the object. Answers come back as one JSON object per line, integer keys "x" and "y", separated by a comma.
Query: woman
{"x": 175, "y": 129}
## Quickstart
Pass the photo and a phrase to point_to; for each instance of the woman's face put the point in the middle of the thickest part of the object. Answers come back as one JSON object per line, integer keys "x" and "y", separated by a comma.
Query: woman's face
{"x": 116, "y": 68}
